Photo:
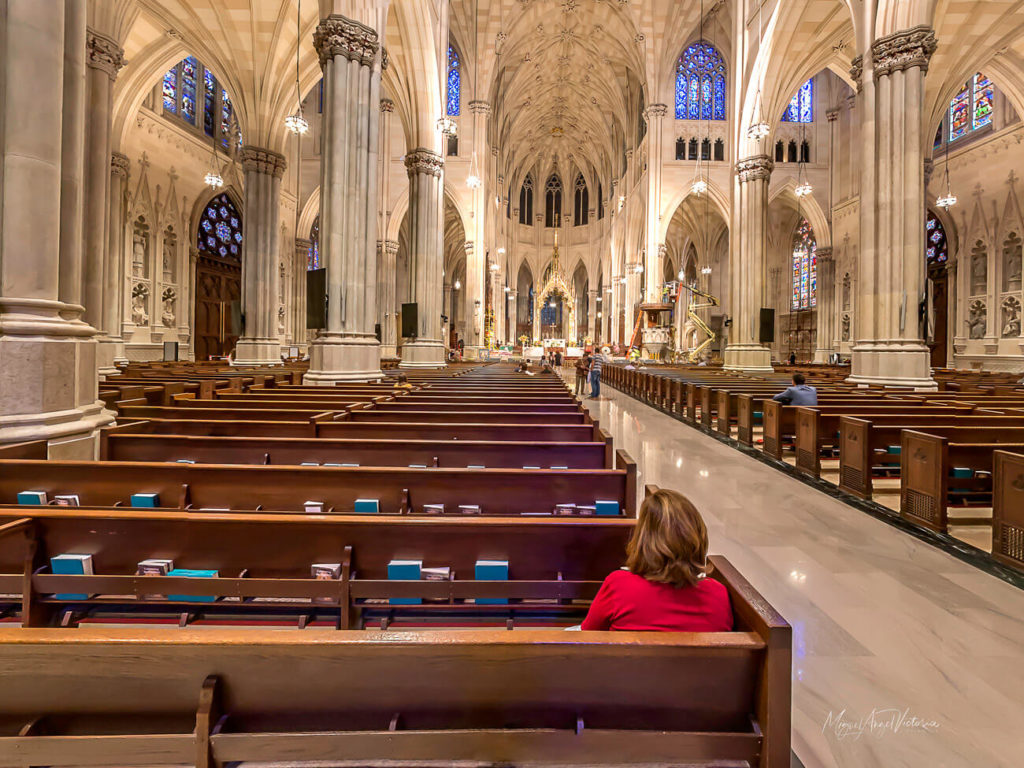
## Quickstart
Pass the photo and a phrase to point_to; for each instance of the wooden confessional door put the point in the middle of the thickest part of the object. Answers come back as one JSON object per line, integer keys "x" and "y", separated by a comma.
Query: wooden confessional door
{"x": 940, "y": 311}
{"x": 218, "y": 284}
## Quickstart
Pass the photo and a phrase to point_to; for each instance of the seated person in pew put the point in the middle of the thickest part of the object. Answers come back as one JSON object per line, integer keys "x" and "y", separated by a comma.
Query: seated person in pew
{"x": 663, "y": 586}
{"x": 402, "y": 382}
{"x": 800, "y": 393}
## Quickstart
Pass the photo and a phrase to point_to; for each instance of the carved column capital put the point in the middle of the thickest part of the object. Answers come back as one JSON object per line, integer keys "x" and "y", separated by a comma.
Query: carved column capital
{"x": 902, "y": 50}
{"x": 103, "y": 53}
{"x": 119, "y": 164}
{"x": 391, "y": 247}
{"x": 755, "y": 168}
{"x": 662, "y": 250}
{"x": 339, "y": 36}
{"x": 832, "y": 115}
{"x": 468, "y": 246}
{"x": 857, "y": 71}
{"x": 302, "y": 245}
{"x": 479, "y": 107}
{"x": 929, "y": 168}
{"x": 824, "y": 255}
{"x": 387, "y": 105}
{"x": 261, "y": 160}
{"x": 424, "y": 161}
{"x": 656, "y": 111}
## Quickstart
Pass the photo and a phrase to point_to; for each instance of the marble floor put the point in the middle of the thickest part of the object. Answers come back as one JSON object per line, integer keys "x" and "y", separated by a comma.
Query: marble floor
{"x": 882, "y": 623}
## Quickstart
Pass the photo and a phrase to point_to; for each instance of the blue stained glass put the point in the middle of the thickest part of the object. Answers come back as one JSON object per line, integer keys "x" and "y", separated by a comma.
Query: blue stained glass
{"x": 212, "y": 242}
{"x": 936, "y": 251}
{"x": 220, "y": 227}
{"x": 805, "y": 267}
{"x": 238, "y": 236}
{"x": 454, "y": 83}
{"x": 209, "y": 95}
{"x": 801, "y": 106}
{"x": 223, "y": 231}
{"x": 188, "y": 89}
{"x": 223, "y": 251}
{"x": 234, "y": 249}
{"x": 700, "y": 84}
{"x": 207, "y": 226}
{"x": 225, "y": 117}
{"x": 313, "y": 260}
{"x": 223, "y": 211}
{"x": 171, "y": 90}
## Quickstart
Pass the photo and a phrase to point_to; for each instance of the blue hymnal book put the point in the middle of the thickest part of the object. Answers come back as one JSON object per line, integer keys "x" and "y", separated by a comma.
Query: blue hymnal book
{"x": 606, "y": 507}
{"x": 405, "y": 570}
{"x": 193, "y": 574}
{"x": 32, "y": 498}
{"x": 367, "y": 506}
{"x": 72, "y": 565}
{"x": 491, "y": 570}
{"x": 145, "y": 500}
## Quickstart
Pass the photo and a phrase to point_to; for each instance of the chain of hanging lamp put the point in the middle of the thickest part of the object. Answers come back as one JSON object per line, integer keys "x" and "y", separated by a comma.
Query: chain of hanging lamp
{"x": 803, "y": 185}
{"x": 700, "y": 184}
{"x": 473, "y": 179}
{"x": 296, "y": 123}
{"x": 445, "y": 124}
{"x": 948, "y": 200}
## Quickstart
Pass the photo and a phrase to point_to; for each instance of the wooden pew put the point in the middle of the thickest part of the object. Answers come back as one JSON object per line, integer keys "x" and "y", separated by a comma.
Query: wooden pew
{"x": 926, "y": 483}
{"x": 869, "y": 446}
{"x": 483, "y": 697}
{"x": 398, "y": 489}
{"x": 473, "y": 417}
{"x": 376, "y": 453}
{"x": 136, "y": 412}
{"x": 266, "y": 559}
{"x": 1008, "y": 509}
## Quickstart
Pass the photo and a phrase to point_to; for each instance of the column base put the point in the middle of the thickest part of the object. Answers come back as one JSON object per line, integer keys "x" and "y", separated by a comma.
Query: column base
{"x": 892, "y": 363}
{"x": 748, "y": 357}
{"x": 426, "y": 353}
{"x": 821, "y": 356}
{"x": 388, "y": 350}
{"x": 335, "y": 358}
{"x": 109, "y": 353}
{"x": 250, "y": 352}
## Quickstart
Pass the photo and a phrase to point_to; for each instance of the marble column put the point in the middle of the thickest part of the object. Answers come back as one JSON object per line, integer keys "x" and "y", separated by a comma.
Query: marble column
{"x": 446, "y": 310}
{"x": 748, "y": 254}
{"x": 387, "y": 306}
{"x": 476, "y": 262}
{"x": 260, "y": 343}
{"x": 300, "y": 336}
{"x": 47, "y": 352}
{"x": 593, "y": 322}
{"x": 112, "y": 346}
{"x": 826, "y": 303}
{"x": 833, "y": 159}
{"x": 426, "y": 233}
{"x": 655, "y": 253}
{"x": 890, "y": 348}
{"x": 72, "y": 163}
{"x": 350, "y": 57}
{"x": 105, "y": 57}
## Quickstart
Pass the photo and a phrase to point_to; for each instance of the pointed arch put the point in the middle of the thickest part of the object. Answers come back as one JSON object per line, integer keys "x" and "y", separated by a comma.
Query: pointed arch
{"x": 700, "y": 83}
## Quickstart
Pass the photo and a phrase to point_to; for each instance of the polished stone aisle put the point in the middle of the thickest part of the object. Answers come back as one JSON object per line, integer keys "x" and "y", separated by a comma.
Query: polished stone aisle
{"x": 882, "y": 623}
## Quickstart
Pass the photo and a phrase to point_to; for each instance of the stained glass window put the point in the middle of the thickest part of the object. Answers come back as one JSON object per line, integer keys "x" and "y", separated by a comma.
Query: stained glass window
{"x": 454, "y": 83}
{"x": 971, "y": 108}
{"x": 220, "y": 229}
{"x": 936, "y": 249}
{"x": 700, "y": 84}
{"x": 313, "y": 262}
{"x": 801, "y": 106}
{"x": 192, "y": 94}
{"x": 805, "y": 267}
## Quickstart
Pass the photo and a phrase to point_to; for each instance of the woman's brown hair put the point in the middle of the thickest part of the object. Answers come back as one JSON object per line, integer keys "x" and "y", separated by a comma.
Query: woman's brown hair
{"x": 669, "y": 544}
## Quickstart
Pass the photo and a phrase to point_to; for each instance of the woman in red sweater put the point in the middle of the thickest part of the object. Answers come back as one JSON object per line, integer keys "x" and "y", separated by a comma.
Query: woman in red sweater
{"x": 663, "y": 586}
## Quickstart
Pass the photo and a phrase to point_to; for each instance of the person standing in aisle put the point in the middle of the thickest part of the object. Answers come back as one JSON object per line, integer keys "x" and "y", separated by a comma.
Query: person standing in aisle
{"x": 582, "y": 371}
{"x": 596, "y": 364}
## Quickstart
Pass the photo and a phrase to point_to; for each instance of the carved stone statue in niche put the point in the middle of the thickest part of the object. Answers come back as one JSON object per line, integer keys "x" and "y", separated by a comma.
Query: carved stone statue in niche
{"x": 979, "y": 269}
{"x": 280, "y": 319}
{"x": 140, "y": 293}
{"x": 976, "y": 321}
{"x": 846, "y": 328}
{"x": 1012, "y": 261}
{"x": 170, "y": 249}
{"x": 140, "y": 247}
{"x": 846, "y": 293}
{"x": 1011, "y": 318}
{"x": 168, "y": 298}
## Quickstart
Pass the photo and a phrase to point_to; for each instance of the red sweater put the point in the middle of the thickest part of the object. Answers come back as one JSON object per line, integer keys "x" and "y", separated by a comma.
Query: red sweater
{"x": 630, "y": 602}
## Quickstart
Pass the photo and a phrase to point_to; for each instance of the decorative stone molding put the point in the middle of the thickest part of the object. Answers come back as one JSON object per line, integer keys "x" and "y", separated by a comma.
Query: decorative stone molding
{"x": 302, "y": 245}
{"x": 824, "y": 254}
{"x": 656, "y": 110}
{"x": 391, "y": 247}
{"x": 832, "y": 115}
{"x": 479, "y": 107}
{"x": 756, "y": 168}
{"x": 385, "y": 60}
{"x": 338, "y": 36}
{"x": 857, "y": 71}
{"x": 468, "y": 247}
{"x": 119, "y": 164}
{"x": 424, "y": 161}
{"x": 387, "y": 105}
{"x": 261, "y": 160}
{"x": 929, "y": 168}
{"x": 902, "y": 50}
{"x": 103, "y": 53}
{"x": 662, "y": 250}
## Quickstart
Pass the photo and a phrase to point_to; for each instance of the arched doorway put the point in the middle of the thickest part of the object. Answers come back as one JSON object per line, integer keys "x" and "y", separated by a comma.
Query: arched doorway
{"x": 936, "y": 256}
{"x": 218, "y": 279}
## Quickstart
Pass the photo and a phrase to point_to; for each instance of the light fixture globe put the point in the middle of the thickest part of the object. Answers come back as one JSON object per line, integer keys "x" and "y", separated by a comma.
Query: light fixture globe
{"x": 296, "y": 124}
{"x": 758, "y": 130}
{"x": 213, "y": 179}
{"x": 699, "y": 187}
{"x": 473, "y": 181}
{"x": 803, "y": 190}
{"x": 946, "y": 201}
{"x": 448, "y": 126}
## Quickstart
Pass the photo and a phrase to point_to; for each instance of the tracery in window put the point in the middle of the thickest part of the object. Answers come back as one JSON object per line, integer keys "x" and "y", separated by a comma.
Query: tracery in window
{"x": 581, "y": 200}
{"x": 700, "y": 84}
{"x": 552, "y": 201}
{"x": 805, "y": 267}
{"x": 313, "y": 262}
{"x": 936, "y": 249}
{"x": 526, "y": 201}
{"x": 220, "y": 228}
{"x": 192, "y": 94}
{"x": 971, "y": 109}
{"x": 454, "y": 100}
{"x": 801, "y": 106}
